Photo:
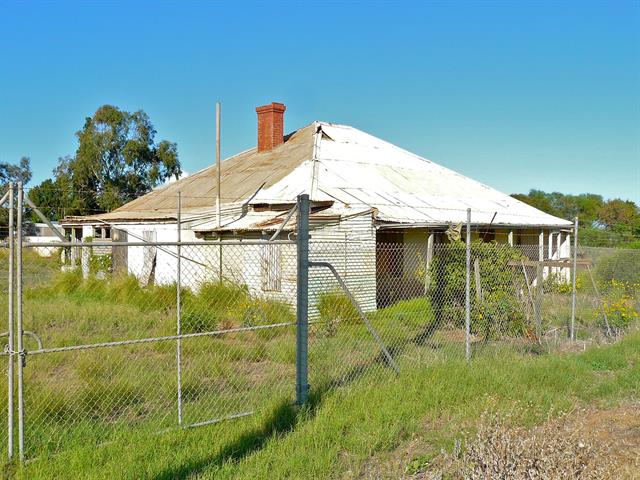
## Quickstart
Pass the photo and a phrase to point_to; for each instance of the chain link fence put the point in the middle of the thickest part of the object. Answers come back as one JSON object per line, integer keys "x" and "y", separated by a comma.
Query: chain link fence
{"x": 145, "y": 335}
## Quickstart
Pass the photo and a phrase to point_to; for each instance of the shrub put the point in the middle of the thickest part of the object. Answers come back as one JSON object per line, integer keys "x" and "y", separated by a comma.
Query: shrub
{"x": 500, "y": 310}
{"x": 227, "y": 305}
{"x": 216, "y": 305}
{"x": 623, "y": 266}
{"x": 555, "y": 449}
{"x": 619, "y": 305}
{"x": 335, "y": 307}
{"x": 556, "y": 283}
{"x": 99, "y": 263}
{"x": 261, "y": 311}
{"x": 197, "y": 322}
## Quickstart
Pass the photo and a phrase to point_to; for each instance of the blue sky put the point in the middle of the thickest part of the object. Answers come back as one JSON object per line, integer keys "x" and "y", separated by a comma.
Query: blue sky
{"x": 518, "y": 95}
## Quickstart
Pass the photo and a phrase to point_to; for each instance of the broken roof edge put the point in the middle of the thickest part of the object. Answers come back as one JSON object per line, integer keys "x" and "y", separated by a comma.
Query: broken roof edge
{"x": 266, "y": 221}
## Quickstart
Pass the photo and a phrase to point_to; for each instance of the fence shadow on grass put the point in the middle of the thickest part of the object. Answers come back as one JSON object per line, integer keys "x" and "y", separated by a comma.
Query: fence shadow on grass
{"x": 284, "y": 418}
{"x": 281, "y": 421}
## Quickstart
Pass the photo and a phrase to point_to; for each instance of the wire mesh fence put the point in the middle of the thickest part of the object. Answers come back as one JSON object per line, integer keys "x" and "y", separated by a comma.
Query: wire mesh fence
{"x": 131, "y": 333}
{"x": 117, "y": 351}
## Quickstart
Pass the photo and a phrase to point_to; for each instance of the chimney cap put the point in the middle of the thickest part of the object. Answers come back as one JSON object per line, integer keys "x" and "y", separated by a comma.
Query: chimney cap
{"x": 273, "y": 106}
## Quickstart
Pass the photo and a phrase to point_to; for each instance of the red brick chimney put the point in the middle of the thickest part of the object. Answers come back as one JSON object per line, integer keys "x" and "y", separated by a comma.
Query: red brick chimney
{"x": 270, "y": 126}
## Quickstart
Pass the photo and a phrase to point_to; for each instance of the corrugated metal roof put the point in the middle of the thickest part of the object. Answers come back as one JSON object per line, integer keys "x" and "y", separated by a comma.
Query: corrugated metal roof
{"x": 358, "y": 169}
{"x": 339, "y": 164}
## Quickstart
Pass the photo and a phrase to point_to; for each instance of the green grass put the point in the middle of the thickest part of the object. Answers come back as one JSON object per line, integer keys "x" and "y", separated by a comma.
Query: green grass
{"x": 97, "y": 413}
{"x": 341, "y": 428}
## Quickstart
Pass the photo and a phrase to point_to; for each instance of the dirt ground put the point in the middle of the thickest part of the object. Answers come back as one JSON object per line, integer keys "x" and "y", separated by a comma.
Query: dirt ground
{"x": 602, "y": 443}
{"x": 618, "y": 432}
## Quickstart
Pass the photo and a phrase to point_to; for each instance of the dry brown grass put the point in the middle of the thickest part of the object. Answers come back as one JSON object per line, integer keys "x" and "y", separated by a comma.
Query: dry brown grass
{"x": 552, "y": 450}
{"x": 587, "y": 444}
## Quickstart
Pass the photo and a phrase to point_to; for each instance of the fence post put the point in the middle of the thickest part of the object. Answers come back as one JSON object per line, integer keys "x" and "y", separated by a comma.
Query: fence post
{"x": 179, "y": 307}
{"x": 574, "y": 271}
{"x": 302, "y": 303}
{"x": 467, "y": 315}
{"x": 21, "y": 353}
{"x": 427, "y": 266}
{"x": 540, "y": 286}
{"x": 10, "y": 330}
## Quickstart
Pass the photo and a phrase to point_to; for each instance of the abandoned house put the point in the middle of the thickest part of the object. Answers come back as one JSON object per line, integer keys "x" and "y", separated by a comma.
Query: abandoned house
{"x": 365, "y": 193}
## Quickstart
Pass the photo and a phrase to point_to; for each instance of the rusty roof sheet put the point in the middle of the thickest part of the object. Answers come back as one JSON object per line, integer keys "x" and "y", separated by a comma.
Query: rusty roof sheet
{"x": 242, "y": 175}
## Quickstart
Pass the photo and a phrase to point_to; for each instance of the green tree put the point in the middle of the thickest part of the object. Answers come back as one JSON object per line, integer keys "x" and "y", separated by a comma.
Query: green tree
{"x": 19, "y": 172}
{"x": 56, "y": 197}
{"x": 539, "y": 200}
{"x": 620, "y": 214}
{"x": 611, "y": 223}
{"x": 500, "y": 311}
{"x": 12, "y": 173}
{"x": 117, "y": 160}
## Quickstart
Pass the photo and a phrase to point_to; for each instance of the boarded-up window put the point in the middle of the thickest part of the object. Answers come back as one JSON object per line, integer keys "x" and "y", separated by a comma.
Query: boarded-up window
{"x": 120, "y": 254}
{"x": 271, "y": 260}
{"x": 149, "y": 258}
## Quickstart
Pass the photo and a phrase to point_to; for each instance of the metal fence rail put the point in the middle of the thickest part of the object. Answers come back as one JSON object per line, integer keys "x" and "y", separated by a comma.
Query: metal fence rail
{"x": 106, "y": 338}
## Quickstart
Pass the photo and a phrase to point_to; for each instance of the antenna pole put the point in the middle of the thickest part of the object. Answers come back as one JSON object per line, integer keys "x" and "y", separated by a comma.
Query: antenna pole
{"x": 218, "y": 166}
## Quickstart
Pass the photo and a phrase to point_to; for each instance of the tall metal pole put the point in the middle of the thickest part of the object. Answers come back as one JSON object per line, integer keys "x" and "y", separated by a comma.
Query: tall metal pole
{"x": 572, "y": 328}
{"x": 10, "y": 329}
{"x": 179, "y": 306}
{"x": 467, "y": 316}
{"x": 21, "y": 357}
{"x": 302, "y": 303}
{"x": 219, "y": 193}
{"x": 218, "y": 167}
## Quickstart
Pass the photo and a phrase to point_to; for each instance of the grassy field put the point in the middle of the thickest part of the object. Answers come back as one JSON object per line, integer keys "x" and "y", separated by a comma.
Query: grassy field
{"x": 339, "y": 432}
{"x": 87, "y": 410}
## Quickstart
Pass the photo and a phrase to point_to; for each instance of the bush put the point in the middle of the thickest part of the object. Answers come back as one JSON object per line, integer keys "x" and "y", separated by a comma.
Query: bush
{"x": 335, "y": 307}
{"x": 556, "y": 283}
{"x": 622, "y": 266}
{"x": 262, "y": 311}
{"x": 227, "y": 305}
{"x": 99, "y": 263}
{"x": 619, "y": 306}
{"x": 216, "y": 305}
{"x": 500, "y": 310}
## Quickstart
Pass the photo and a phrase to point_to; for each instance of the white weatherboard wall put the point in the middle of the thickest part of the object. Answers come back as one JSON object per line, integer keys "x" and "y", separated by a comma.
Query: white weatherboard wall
{"x": 166, "y": 265}
{"x": 250, "y": 264}
{"x": 350, "y": 246}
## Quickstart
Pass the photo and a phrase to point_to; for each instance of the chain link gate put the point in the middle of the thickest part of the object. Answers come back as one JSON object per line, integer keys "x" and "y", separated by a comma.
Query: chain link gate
{"x": 182, "y": 340}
